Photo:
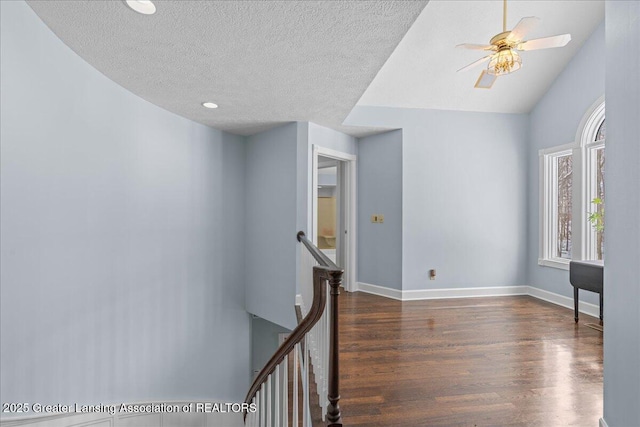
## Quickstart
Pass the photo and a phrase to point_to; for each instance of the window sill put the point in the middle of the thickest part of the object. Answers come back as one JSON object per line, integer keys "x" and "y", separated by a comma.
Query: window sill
{"x": 555, "y": 263}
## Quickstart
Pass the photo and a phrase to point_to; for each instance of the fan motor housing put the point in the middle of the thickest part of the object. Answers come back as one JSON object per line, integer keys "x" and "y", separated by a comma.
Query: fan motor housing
{"x": 500, "y": 40}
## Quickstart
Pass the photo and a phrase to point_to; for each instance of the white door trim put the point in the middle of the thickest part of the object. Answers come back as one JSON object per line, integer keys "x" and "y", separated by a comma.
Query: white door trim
{"x": 349, "y": 178}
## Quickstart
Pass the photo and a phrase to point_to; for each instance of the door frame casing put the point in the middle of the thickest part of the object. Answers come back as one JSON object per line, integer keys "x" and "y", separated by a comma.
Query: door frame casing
{"x": 348, "y": 190}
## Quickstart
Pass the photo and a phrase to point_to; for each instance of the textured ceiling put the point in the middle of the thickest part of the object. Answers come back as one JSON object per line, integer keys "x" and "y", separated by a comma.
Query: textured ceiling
{"x": 421, "y": 72}
{"x": 263, "y": 62}
{"x": 271, "y": 62}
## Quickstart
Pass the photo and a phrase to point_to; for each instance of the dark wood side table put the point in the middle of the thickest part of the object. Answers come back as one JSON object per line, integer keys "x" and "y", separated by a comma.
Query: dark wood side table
{"x": 587, "y": 275}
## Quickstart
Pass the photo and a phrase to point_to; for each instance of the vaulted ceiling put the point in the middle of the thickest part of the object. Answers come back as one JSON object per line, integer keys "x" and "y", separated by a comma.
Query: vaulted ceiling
{"x": 270, "y": 62}
{"x": 421, "y": 72}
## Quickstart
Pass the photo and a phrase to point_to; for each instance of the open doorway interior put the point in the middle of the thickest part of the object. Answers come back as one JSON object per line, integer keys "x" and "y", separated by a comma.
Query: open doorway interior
{"x": 333, "y": 213}
{"x": 328, "y": 204}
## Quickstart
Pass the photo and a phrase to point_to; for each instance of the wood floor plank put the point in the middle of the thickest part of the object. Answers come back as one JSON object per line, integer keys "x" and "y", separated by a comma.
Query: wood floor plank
{"x": 504, "y": 361}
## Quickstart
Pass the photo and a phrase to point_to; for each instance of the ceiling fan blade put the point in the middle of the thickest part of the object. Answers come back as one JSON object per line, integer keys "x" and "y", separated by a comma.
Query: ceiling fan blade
{"x": 486, "y": 80}
{"x": 522, "y": 29}
{"x": 545, "y": 43}
{"x": 475, "y": 63}
{"x": 477, "y": 46}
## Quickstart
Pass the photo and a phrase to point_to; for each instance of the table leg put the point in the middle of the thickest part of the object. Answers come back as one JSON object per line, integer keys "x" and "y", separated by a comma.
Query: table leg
{"x": 601, "y": 305}
{"x": 575, "y": 304}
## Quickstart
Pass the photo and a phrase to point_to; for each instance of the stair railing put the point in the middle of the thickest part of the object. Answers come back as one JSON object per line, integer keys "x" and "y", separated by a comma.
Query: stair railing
{"x": 314, "y": 342}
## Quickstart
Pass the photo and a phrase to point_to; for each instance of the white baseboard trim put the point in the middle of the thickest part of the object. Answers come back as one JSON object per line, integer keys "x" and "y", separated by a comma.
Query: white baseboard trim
{"x": 379, "y": 290}
{"x": 424, "y": 294}
{"x": 496, "y": 291}
{"x": 583, "y": 307}
{"x": 603, "y": 423}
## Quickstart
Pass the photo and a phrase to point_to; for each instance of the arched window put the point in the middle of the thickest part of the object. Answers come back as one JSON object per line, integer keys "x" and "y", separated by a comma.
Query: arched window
{"x": 602, "y": 130}
{"x": 572, "y": 195}
{"x": 593, "y": 143}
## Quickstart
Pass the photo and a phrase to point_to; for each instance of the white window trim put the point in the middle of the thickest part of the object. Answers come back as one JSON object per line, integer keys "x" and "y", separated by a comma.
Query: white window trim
{"x": 583, "y": 237}
{"x": 549, "y": 203}
{"x": 589, "y": 190}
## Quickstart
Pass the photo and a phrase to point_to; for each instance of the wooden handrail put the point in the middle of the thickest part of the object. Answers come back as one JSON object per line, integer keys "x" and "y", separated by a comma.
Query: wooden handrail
{"x": 326, "y": 271}
{"x": 317, "y": 253}
{"x": 334, "y": 274}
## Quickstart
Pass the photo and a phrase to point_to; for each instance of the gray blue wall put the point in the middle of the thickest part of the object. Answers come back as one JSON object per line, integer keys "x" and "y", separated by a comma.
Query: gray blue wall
{"x": 122, "y": 270}
{"x": 271, "y": 224}
{"x": 622, "y": 244}
{"x": 380, "y": 192}
{"x": 463, "y": 205}
{"x": 555, "y": 121}
{"x": 264, "y": 341}
{"x": 280, "y": 158}
{"x": 332, "y": 139}
{"x": 465, "y": 208}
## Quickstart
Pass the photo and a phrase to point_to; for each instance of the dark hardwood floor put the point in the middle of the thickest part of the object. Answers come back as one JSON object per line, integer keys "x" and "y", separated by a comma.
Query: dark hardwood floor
{"x": 503, "y": 361}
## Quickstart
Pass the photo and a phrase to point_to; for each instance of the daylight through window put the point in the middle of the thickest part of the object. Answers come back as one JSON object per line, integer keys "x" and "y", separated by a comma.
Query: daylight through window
{"x": 564, "y": 181}
{"x": 572, "y": 216}
{"x": 595, "y": 159}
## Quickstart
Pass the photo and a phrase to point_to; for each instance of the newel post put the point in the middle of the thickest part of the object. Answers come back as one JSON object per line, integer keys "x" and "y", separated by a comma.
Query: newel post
{"x": 333, "y": 411}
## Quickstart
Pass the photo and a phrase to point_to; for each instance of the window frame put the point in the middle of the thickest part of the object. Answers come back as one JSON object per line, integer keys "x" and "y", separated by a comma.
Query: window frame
{"x": 589, "y": 150}
{"x": 549, "y": 206}
{"x": 584, "y": 150}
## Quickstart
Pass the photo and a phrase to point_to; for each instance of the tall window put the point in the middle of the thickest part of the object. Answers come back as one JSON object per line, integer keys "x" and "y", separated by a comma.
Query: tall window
{"x": 572, "y": 204}
{"x": 557, "y": 202}
{"x": 594, "y": 167}
{"x": 564, "y": 186}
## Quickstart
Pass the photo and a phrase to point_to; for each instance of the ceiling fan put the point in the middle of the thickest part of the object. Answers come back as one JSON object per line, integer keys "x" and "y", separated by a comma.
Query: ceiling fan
{"x": 504, "y": 58}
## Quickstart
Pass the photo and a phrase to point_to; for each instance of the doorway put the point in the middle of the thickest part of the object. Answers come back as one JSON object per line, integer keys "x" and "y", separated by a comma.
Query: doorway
{"x": 328, "y": 204}
{"x": 333, "y": 209}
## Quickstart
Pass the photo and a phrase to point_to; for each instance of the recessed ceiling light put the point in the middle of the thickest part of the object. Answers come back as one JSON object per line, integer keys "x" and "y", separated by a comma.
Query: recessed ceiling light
{"x": 209, "y": 105}
{"x": 145, "y": 7}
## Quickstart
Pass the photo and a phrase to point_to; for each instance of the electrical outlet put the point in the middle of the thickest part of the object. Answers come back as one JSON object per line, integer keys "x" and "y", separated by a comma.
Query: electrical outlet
{"x": 432, "y": 274}
{"x": 380, "y": 219}
{"x": 374, "y": 218}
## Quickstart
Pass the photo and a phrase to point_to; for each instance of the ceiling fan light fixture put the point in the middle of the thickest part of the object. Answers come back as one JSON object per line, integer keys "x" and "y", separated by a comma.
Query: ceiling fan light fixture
{"x": 504, "y": 61}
